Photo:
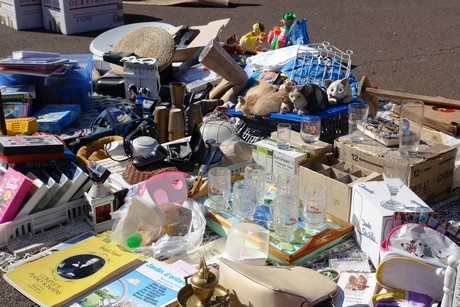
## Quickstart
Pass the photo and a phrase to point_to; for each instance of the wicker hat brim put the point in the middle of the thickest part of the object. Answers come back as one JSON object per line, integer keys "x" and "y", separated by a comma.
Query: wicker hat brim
{"x": 147, "y": 42}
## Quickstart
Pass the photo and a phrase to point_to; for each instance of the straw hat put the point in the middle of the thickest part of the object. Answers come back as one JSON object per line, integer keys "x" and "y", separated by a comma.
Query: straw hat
{"x": 147, "y": 42}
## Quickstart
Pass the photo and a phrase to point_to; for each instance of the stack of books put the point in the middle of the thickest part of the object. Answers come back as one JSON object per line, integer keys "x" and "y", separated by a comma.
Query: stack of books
{"x": 33, "y": 63}
{"x": 54, "y": 186}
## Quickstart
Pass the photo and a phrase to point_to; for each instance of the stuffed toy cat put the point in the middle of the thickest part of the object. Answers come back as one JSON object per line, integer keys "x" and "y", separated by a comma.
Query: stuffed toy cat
{"x": 308, "y": 98}
{"x": 264, "y": 99}
{"x": 338, "y": 91}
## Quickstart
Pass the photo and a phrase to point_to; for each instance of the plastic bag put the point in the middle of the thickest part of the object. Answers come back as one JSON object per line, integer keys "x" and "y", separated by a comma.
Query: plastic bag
{"x": 148, "y": 220}
{"x": 168, "y": 246}
{"x": 298, "y": 34}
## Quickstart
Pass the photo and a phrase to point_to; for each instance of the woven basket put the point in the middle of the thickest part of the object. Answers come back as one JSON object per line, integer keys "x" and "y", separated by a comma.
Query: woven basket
{"x": 132, "y": 175}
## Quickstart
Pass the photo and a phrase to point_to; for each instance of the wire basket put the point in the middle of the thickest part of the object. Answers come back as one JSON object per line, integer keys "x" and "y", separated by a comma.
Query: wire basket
{"x": 315, "y": 63}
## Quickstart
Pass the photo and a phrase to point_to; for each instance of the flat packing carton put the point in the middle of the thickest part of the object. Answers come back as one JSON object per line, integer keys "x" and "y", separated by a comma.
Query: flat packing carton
{"x": 206, "y": 34}
{"x": 431, "y": 175}
{"x": 372, "y": 223}
{"x": 76, "y": 16}
{"x": 338, "y": 177}
{"x": 318, "y": 148}
{"x": 275, "y": 160}
{"x": 21, "y": 14}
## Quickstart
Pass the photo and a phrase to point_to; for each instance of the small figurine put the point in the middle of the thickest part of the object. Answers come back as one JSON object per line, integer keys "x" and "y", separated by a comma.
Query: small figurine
{"x": 249, "y": 41}
{"x": 232, "y": 46}
{"x": 278, "y": 36}
{"x": 262, "y": 40}
{"x": 338, "y": 91}
{"x": 287, "y": 20}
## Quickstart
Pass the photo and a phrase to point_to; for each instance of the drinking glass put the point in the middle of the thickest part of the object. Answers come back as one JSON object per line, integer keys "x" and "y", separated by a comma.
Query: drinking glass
{"x": 314, "y": 205}
{"x": 244, "y": 200}
{"x": 396, "y": 168}
{"x": 410, "y": 125}
{"x": 283, "y": 133}
{"x": 219, "y": 187}
{"x": 357, "y": 117}
{"x": 310, "y": 129}
{"x": 285, "y": 213}
{"x": 258, "y": 180}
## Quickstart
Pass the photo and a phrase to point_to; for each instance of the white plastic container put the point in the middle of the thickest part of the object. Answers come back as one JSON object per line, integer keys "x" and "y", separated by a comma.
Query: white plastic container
{"x": 247, "y": 243}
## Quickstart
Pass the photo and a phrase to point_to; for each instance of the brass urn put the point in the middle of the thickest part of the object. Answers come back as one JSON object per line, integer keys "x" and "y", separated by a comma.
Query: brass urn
{"x": 203, "y": 283}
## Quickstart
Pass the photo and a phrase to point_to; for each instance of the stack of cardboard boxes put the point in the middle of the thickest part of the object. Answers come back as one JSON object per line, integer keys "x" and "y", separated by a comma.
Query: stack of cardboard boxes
{"x": 62, "y": 16}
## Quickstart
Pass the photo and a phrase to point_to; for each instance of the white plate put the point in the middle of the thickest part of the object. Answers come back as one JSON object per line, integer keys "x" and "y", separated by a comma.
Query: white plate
{"x": 104, "y": 42}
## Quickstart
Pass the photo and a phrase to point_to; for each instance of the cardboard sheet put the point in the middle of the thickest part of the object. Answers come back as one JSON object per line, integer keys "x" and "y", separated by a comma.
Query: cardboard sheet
{"x": 216, "y": 3}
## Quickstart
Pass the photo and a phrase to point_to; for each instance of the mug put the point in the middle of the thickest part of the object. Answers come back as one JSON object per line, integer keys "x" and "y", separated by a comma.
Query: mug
{"x": 244, "y": 200}
{"x": 219, "y": 187}
{"x": 258, "y": 180}
{"x": 314, "y": 205}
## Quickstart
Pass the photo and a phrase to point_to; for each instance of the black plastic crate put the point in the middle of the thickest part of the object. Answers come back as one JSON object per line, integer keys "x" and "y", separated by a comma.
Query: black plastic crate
{"x": 334, "y": 123}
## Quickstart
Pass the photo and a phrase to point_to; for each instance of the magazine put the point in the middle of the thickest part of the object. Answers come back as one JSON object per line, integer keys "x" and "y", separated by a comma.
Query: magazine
{"x": 154, "y": 283}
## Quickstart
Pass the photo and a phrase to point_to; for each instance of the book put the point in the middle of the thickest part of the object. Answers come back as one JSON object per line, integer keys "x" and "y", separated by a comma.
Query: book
{"x": 13, "y": 190}
{"x": 28, "y": 145}
{"x": 35, "y": 55}
{"x": 62, "y": 180}
{"x": 355, "y": 262}
{"x": 53, "y": 188}
{"x": 55, "y": 117}
{"x": 43, "y": 251}
{"x": 63, "y": 276}
{"x": 76, "y": 177}
{"x": 84, "y": 188}
{"x": 15, "y": 92}
{"x": 154, "y": 283}
{"x": 33, "y": 197}
{"x": 355, "y": 289}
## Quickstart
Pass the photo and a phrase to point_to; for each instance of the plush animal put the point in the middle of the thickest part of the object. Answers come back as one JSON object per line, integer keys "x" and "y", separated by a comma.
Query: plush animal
{"x": 308, "y": 98}
{"x": 251, "y": 40}
{"x": 264, "y": 99}
{"x": 338, "y": 91}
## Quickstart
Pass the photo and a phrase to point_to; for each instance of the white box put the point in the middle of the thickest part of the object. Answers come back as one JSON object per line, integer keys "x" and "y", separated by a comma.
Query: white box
{"x": 372, "y": 222}
{"x": 266, "y": 153}
{"x": 142, "y": 75}
{"x": 76, "y": 16}
{"x": 21, "y": 14}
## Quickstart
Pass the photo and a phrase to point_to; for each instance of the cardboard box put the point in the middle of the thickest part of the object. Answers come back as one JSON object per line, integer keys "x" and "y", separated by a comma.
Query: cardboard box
{"x": 432, "y": 171}
{"x": 338, "y": 177}
{"x": 372, "y": 222}
{"x": 318, "y": 148}
{"x": 76, "y": 16}
{"x": 275, "y": 160}
{"x": 207, "y": 33}
{"x": 21, "y": 14}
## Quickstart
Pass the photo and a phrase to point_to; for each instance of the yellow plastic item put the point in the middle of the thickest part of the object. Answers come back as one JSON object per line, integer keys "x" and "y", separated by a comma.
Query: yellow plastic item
{"x": 26, "y": 125}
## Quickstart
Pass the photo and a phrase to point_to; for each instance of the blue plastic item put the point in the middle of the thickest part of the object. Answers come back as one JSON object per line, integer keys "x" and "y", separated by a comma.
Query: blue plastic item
{"x": 73, "y": 87}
